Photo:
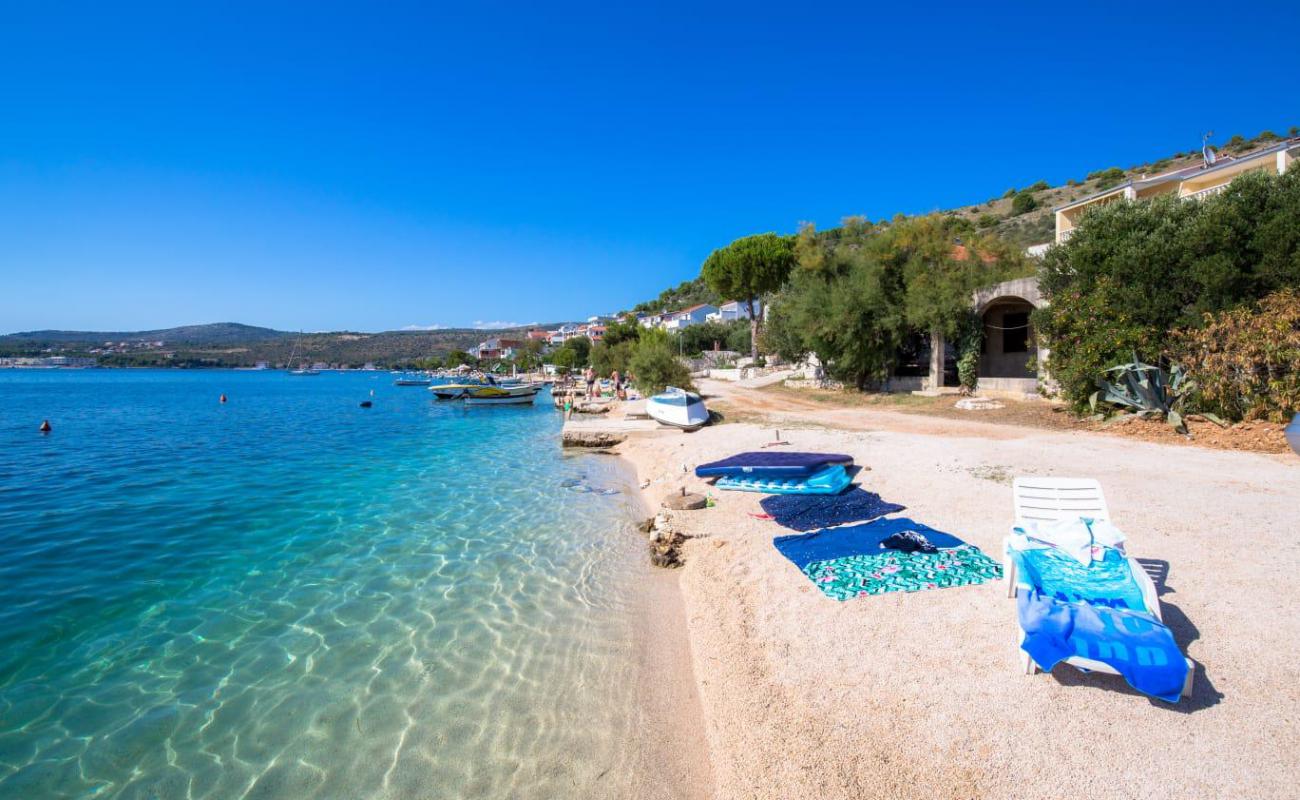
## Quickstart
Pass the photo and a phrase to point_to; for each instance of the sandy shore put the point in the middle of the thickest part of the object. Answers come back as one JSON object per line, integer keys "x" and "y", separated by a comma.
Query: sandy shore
{"x": 919, "y": 695}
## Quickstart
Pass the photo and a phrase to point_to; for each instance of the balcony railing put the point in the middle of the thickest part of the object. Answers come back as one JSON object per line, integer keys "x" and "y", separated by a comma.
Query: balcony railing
{"x": 1204, "y": 193}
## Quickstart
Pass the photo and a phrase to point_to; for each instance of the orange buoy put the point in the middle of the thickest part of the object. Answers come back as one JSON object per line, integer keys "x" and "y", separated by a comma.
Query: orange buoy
{"x": 223, "y": 398}
{"x": 45, "y": 427}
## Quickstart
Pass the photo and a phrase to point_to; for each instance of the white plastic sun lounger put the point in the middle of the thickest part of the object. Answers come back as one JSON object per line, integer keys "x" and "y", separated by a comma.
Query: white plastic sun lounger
{"x": 1052, "y": 499}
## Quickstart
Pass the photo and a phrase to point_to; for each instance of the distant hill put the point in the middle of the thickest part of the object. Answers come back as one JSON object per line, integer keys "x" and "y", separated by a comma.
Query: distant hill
{"x": 214, "y": 333}
{"x": 231, "y": 344}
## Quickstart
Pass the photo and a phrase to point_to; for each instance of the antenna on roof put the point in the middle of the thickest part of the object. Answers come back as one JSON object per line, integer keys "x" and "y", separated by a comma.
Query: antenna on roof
{"x": 1207, "y": 152}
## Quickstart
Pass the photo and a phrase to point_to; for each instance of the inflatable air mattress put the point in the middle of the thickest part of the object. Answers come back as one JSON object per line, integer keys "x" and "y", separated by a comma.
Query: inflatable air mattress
{"x": 771, "y": 465}
{"x": 830, "y": 479}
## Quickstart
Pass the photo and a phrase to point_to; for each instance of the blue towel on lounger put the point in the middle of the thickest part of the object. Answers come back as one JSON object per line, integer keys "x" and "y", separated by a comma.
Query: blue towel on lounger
{"x": 809, "y": 512}
{"x": 1134, "y": 643}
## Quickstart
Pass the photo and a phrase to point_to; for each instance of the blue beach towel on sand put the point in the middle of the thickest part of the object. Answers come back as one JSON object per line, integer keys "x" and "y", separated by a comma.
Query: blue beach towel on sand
{"x": 809, "y": 512}
{"x": 1134, "y": 643}
{"x": 854, "y": 540}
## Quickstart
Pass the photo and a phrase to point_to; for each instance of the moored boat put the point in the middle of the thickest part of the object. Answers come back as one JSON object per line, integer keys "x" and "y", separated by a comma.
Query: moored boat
{"x": 501, "y": 395}
{"x": 453, "y": 391}
{"x": 678, "y": 408}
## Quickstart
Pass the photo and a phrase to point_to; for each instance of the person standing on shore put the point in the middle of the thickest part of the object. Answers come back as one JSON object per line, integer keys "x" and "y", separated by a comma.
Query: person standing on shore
{"x": 618, "y": 385}
{"x": 590, "y": 376}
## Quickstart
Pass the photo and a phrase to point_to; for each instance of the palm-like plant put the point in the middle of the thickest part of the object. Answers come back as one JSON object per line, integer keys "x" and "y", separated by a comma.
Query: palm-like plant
{"x": 1146, "y": 391}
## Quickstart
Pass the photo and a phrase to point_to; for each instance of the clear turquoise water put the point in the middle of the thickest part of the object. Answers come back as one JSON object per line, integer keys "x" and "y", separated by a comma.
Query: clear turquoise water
{"x": 288, "y": 596}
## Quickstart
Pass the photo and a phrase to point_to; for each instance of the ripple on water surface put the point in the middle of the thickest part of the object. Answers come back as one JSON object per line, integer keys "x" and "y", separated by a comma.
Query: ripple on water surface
{"x": 288, "y": 596}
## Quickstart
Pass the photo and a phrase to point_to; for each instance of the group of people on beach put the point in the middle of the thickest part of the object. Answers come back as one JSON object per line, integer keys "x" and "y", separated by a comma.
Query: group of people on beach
{"x": 591, "y": 379}
{"x": 620, "y": 384}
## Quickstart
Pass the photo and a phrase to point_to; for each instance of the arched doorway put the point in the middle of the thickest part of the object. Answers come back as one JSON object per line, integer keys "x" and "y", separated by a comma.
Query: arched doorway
{"x": 1011, "y": 358}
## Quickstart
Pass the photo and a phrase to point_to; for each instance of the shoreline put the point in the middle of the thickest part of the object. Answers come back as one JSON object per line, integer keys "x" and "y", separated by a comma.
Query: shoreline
{"x": 673, "y": 756}
{"x": 918, "y": 694}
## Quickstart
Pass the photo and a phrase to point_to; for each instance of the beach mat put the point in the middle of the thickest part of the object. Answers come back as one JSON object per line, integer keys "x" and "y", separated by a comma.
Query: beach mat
{"x": 848, "y": 562}
{"x": 810, "y": 512}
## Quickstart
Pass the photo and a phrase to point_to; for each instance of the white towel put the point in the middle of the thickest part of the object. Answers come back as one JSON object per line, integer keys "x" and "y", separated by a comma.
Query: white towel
{"x": 1082, "y": 538}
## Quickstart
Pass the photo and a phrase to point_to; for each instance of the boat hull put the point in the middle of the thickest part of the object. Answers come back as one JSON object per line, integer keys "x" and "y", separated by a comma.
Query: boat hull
{"x": 453, "y": 391}
{"x": 677, "y": 408}
{"x": 502, "y": 396}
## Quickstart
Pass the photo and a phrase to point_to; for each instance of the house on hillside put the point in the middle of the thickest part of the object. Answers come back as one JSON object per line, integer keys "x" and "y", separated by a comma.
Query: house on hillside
{"x": 563, "y": 334}
{"x": 1192, "y": 183}
{"x": 496, "y": 348}
{"x": 687, "y": 317}
{"x": 734, "y": 310}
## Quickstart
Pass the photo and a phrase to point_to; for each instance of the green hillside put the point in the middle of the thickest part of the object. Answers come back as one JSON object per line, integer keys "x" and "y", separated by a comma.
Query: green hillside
{"x": 1023, "y": 215}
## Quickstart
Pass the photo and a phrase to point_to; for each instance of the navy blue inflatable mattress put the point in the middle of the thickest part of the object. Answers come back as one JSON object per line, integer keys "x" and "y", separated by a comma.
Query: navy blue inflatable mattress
{"x": 772, "y": 464}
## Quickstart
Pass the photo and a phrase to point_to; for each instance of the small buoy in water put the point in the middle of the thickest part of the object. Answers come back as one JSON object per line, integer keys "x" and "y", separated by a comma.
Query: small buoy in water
{"x": 45, "y": 426}
{"x": 223, "y": 398}
{"x": 366, "y": 404}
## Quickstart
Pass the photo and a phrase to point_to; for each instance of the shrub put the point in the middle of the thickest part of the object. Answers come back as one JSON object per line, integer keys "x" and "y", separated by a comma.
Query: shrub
{"x": 1107, "y": 178}
{"x": 1134, "y": 272}
{"x": 655, "y": 366}
{"x": 606, "y": 358}
{"x": 1072, "y": 182}
{"x": 986, "y": 220}
{"x": 1041, "y": 186}
{"x": 1023, "y": 203}
{"x": 968, "y": 359}
{"x": 1009, "y": 193}
{"x": 1246, "y": 361}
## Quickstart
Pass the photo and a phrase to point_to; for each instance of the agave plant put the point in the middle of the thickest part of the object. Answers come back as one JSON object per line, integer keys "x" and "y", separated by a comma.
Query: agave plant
{"x": 1146, "y": 391}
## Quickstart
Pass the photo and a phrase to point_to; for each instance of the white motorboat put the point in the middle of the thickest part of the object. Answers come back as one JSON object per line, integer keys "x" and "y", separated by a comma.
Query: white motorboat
{"x": 501, "y": 395}
{"x": 678, "y": 408}
{"x": 454, "y": 390}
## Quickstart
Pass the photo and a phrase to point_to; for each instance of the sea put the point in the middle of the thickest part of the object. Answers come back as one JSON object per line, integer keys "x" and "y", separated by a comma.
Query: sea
{"x": 287, "y": 595}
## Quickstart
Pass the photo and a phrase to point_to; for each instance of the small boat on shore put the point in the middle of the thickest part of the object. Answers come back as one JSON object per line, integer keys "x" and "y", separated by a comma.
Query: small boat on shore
{"x": 678, "y": 408}
{"x": 501, "y": 395}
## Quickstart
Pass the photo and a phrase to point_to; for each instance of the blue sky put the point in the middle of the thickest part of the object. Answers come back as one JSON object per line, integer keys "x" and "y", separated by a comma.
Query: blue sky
{"x": 372, "y": 166}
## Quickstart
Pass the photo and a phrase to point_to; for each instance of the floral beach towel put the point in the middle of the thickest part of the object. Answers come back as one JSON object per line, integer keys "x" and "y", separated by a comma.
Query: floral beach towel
{"x": 860, "y": 576}
{"x": 850, "y": 561}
